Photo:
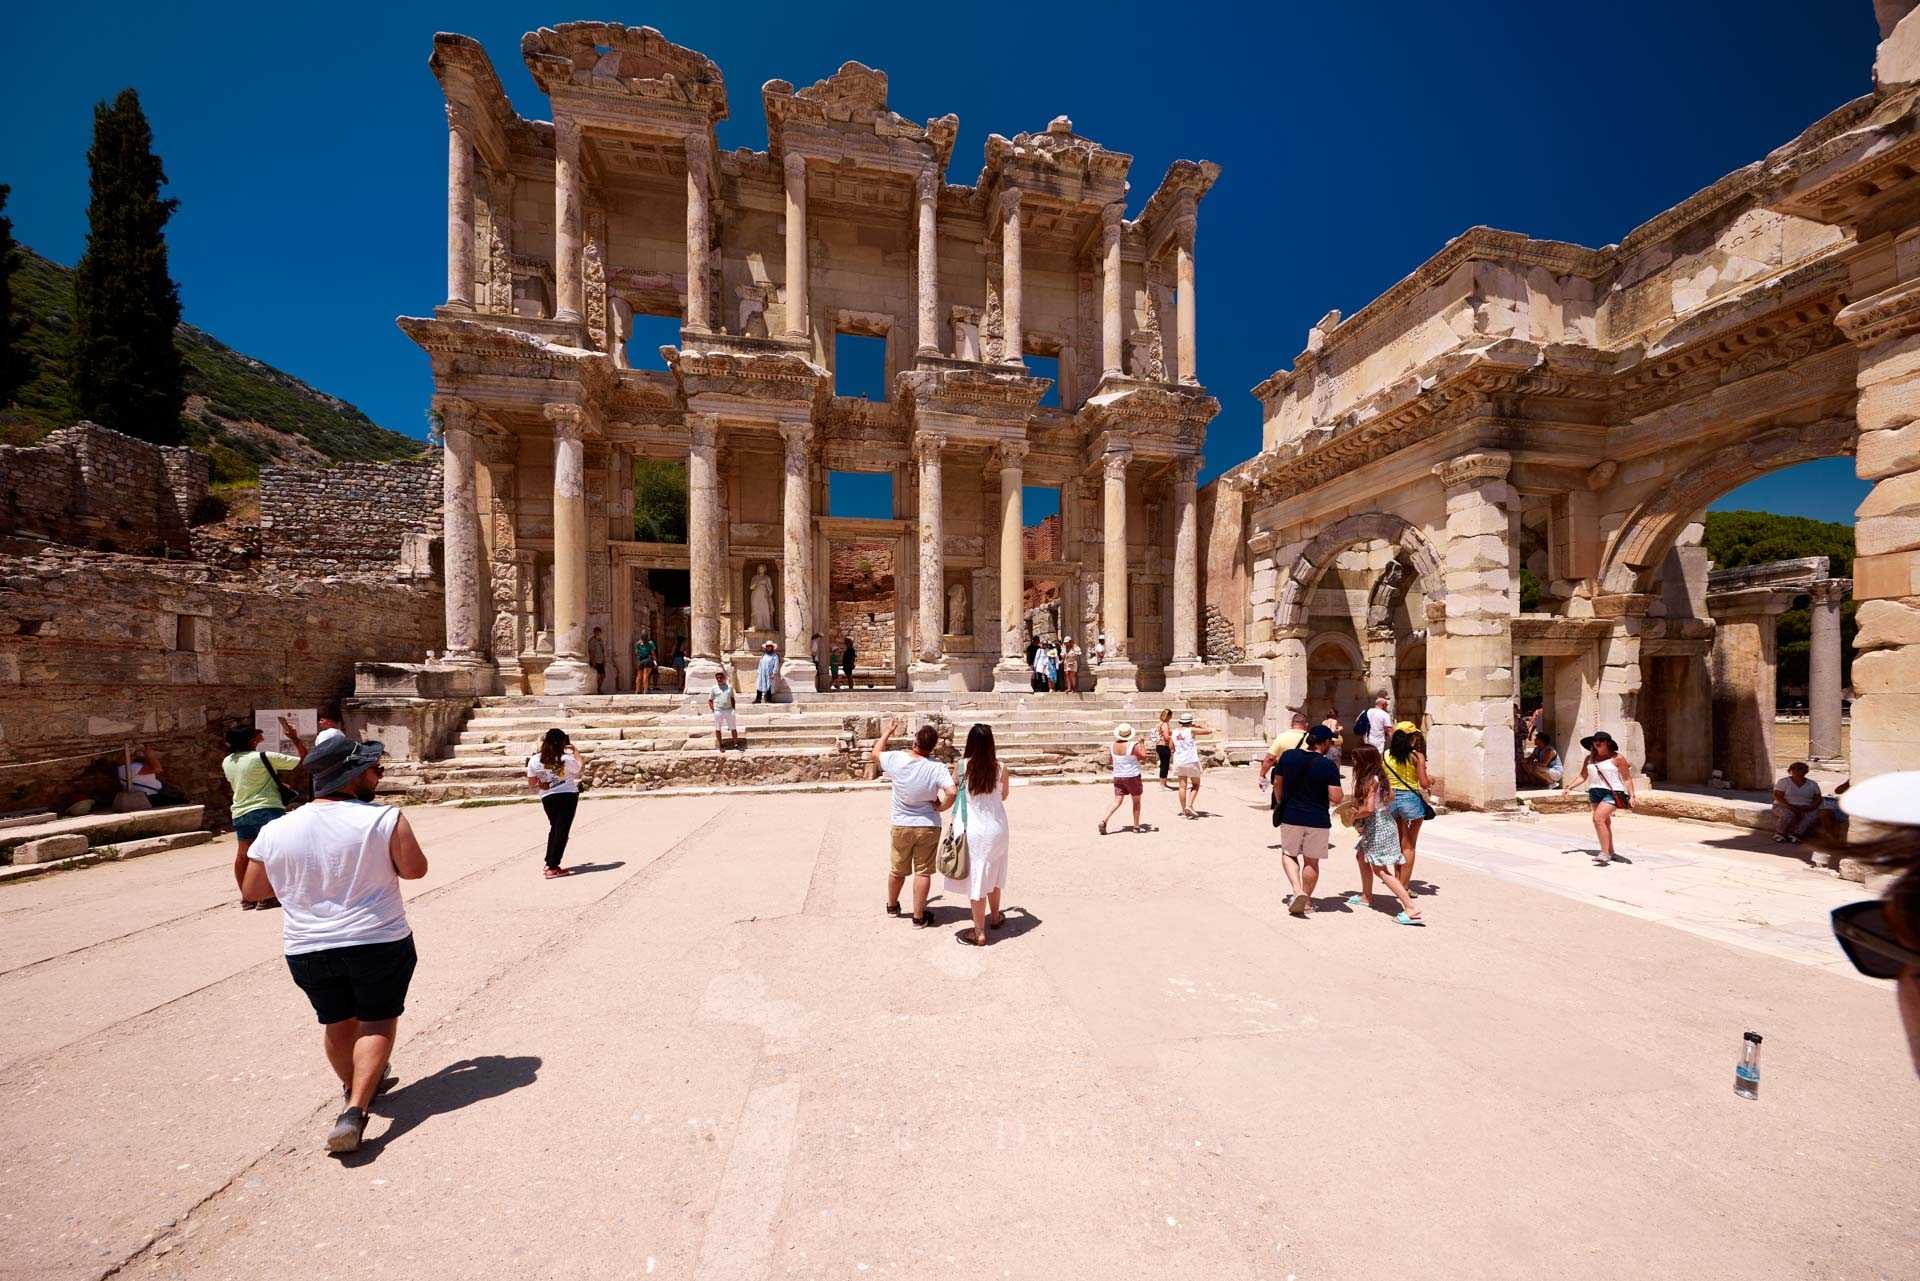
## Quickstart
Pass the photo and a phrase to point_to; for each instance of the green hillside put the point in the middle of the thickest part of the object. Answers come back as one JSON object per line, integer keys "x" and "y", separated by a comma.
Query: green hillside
{"x": 242, "y": 413}
{"x": 1740, "y": 538}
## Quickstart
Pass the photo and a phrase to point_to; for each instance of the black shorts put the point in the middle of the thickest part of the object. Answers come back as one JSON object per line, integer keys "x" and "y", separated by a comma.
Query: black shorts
{"x": 366, "y": 982}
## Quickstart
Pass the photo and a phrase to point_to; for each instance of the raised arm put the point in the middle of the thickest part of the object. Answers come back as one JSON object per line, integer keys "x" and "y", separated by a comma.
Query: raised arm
{"x": 887, "y": 730}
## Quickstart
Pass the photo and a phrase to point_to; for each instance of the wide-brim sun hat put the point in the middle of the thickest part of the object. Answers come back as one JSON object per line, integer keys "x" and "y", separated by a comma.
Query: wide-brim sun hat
{"x": 333, "y": 764}
{"x": 1599, "y": 736}
{"x": 1186, "y": 718}
{"x": 1123, "y": 730}
{"x": 1893, "y": 799}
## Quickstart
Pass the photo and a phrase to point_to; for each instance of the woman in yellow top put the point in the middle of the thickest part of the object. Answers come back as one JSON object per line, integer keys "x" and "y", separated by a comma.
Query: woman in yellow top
{"x": 1406, "y": 767}
{"x": 254, "y": 777}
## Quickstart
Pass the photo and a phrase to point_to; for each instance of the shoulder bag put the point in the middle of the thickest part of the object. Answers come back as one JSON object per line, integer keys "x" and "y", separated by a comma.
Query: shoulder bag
{"x": 1426, "y": 808}
{"x": 288, "y": 797}
{"x": 953, "y": 861}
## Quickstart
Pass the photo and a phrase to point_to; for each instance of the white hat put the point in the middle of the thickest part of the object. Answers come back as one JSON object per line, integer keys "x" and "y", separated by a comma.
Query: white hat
{"x": 1123, "y": 730}
{"x": 1890, "y": 798}
{"x": 1186, "y": 718}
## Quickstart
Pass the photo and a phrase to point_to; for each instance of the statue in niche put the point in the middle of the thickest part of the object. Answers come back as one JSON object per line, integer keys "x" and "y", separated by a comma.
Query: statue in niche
{"x": 546, "y": 598}
{"x": 957, "y": 609}
{"x": 760, "y": 599}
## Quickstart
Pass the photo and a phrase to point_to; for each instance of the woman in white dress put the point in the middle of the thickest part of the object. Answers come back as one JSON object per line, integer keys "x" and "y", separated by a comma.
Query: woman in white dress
{"x": 986, "y": 783}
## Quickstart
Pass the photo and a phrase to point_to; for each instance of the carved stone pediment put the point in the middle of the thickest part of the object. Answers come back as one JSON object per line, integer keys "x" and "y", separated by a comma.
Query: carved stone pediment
{"x": 639, "y": 62}
{"x": 979, "y": 393}
{"x": 769, "y": 376}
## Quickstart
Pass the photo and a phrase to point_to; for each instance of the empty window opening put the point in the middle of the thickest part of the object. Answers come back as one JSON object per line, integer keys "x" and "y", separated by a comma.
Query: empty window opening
{"x": 1046, "y": 367}
{"x": 864, "y": 494}
{"x": 860, "y": 366}
{"x": 1040, "y": 514}
{"x": 659, "y": 500}
{"x": 646, "y": 335}
{"x": 183, "y": 634}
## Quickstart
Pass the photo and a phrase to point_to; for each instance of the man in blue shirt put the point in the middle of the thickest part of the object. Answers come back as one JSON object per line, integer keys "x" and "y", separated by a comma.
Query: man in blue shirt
{"x": 769, "y": 669}
{"x": 1306, "y": 787}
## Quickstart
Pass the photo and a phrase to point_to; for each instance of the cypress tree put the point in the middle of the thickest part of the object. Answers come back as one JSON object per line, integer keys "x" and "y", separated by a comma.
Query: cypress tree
{"x": 16, "y": 366}
{"x": 127, "y": 373}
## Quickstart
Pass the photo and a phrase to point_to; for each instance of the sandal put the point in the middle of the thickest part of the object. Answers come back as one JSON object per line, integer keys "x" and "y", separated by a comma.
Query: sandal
{"x": 552, "y": 872}
{"x": 1103, "y": 827}
{"x": 1356, "y": 900}
{"x": 966, "y": 938}
{"x": 1404, "y": 919}
{"x": 995, "y": 921}
{"x": 265, "y": 903}
{"x": 248, "y": 905}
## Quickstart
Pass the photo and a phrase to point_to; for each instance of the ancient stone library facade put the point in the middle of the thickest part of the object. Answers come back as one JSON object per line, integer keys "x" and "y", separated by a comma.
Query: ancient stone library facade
{"x": 563, "y": 236}
{"x": 1518, "y": 403}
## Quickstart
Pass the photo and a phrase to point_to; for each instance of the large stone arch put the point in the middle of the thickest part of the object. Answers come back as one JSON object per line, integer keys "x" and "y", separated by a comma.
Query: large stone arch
{"x": 1292, "y": 607}
{"x": 1633, "y": 557}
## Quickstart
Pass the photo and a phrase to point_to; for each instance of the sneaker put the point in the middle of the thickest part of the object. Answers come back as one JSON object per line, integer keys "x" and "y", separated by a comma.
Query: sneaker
{"x": 346, "y": 1131}
{"x": 1298, "y": 906}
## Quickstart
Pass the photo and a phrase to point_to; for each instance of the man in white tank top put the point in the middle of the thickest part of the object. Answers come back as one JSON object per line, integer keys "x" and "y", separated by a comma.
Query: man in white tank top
{"x": 336, "y": 870}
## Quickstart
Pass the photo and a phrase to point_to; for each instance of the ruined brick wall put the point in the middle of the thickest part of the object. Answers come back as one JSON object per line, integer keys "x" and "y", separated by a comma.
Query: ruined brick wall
{"x": 86, "y": 486}
{"x": 1045, "y": 541}
{"x": 861, "y": 592}
{"x": 348, "y": 518}
{"x": 100, "y": 650}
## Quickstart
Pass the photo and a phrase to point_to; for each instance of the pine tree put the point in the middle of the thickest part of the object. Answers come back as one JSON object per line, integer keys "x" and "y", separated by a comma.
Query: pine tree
{"x": 127, "y": 373}
{"x": 16, "y": 366}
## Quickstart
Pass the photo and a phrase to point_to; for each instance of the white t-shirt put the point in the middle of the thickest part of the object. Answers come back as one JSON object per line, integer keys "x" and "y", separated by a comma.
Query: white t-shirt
{"x": 1186, "y": 748}
{"x": 1802, "y": 794}
{"x": 1378, "y": 726}
{"x": 134, "y": 778}
{"x": 552, "y": 784}
{"x": 917, "y": 783}
{"x": 327, "y": 733}
{"x": 331, "y": 868}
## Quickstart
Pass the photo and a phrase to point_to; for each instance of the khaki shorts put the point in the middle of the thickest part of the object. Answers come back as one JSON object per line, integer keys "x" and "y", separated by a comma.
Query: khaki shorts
{"x": 913, "y": 850}
{"x": 1304, "y": 842}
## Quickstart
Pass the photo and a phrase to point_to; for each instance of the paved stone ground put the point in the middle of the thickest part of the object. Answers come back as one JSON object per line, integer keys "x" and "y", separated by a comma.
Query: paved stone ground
{"x": 714, "y": 1057}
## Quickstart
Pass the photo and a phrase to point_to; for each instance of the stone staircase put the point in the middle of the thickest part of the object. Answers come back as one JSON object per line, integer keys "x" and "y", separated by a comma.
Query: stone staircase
{"x": 646, "y": 741}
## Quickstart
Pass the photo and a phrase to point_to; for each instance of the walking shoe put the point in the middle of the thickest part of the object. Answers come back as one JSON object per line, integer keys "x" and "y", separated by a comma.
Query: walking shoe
{"x": 1298, "y": 907}
{"x": 346, "y": 1131}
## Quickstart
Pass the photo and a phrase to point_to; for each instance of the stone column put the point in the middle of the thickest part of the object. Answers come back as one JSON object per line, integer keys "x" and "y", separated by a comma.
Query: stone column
{"x": 1745, "y": 670}
{"x": 930, "y": 669}
{"x": 1616, "y": 694}
{"x": 1186, "y": 564}
{"x": 1119, "y": 671}
{"x": 1112, "y": 361}
{"x": 704, "y": 562}
{"x": 460, "y": 535}
{"x": 459, "y": 213}
{"x": 796, "y": 570}
{"x": 699, "y": 232}
{"x": 1183, "y": 267}
{"x": 1286, "y": 665}
{"x": 1824, "y": 698}
{"x": 569, "y": 673}
{"x": 926, "y": 190}
{"x": 1012, "y": 673}
{"x": 795, "y": 166}
{"x": 1011, "y": 350}
{"x": 1383, "y": 662}
{"x": 569, "y": 291}
{"x": 1472, "y": 731}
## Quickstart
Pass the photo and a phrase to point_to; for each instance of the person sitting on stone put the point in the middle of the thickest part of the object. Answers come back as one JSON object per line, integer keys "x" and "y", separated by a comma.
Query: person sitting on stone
{"x": 1542, "y": 765}
{"x": 143, "y": 774}
{"x": 1796, "y": 804}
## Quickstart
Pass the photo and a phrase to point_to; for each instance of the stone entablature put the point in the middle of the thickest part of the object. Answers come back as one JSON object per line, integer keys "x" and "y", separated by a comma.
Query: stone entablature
{"x": 89, "y": 486}
{"x": 560, "y": 233}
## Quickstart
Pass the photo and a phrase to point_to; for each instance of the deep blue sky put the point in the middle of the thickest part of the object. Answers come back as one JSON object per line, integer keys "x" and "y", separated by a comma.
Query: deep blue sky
{"x": 308, "y": 150}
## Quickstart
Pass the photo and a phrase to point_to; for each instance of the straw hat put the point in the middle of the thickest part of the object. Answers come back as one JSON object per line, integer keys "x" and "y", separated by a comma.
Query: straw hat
{"x": 1123, "y": 731}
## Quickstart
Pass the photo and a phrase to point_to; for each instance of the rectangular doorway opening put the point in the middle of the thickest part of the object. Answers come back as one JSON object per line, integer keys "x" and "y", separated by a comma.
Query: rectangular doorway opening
{"x": 659, "y": 613}
{"x": 866, "y": 495}
{"x": 860, "y": 366}
{"x": 863, "y": 603}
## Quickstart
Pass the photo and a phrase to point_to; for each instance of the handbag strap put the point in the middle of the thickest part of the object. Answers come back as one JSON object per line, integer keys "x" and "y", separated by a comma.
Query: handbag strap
{"x": 1401, "y": 778}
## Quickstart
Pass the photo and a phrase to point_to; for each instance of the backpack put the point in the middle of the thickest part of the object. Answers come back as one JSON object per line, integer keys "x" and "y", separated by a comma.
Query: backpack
{"x": 1360, "y": 725}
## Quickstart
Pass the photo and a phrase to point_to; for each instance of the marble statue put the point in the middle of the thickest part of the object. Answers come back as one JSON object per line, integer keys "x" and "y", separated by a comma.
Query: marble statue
{"x": 760, "y": 599}
{"x": 957, "y": 609}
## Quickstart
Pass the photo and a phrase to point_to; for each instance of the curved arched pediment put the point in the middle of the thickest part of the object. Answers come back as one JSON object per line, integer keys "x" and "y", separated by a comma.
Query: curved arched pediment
{"x": 1365, "y": 527}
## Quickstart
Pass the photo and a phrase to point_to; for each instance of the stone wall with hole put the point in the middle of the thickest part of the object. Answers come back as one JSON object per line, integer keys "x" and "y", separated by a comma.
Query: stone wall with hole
{"x": 90, "y": 487}
{"x": 99, "y": 651}
{"x": 350, "y": 517}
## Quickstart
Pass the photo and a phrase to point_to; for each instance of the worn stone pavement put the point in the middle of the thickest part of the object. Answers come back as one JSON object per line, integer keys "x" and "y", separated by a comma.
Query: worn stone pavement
{"x": 714, "y": 1057}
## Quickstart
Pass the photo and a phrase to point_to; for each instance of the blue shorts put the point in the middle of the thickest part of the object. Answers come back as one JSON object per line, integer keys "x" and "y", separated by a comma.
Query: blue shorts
{"x": 247, "y": 826}
{"x": 1408, "y": 805}
{"x": 1605, "y": 796}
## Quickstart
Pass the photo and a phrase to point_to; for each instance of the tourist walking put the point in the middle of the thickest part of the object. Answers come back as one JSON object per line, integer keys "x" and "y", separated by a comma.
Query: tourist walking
{"x": 1306, "y": 787}
{"x": 1039, "y": 663}
{"x": 1332, "y": 721}
{"x": 846, "y": 660}
{"x": 766, "y": 673}
{"x": 259, "y": 797}
{"x": 336, "y": 867}
{"x": 1125, "y": 754}
{"x": 1405, "y": 762}
{"x": 1163, "y": 745}
{"x": 554, "y": 772}
{"x": 1796, "y": 804}
{"x": 720, "y": 701}
{"x": 1881, "y": 936}
{"x": 1186, "y": 765}
{"x": 984, "y": 782}
{"x": 1379, "y": 847}
{"x": 833, "y": 663}
{"x": 922, "y": 791}
{"x": 1053, "y": 666}
{"x": 646, "y": 663}
{"x": 1609, "y": 776}
{"x": 597, "y": 660}
{"x": 1070, "y": 664}
{"x": 1376, "y": 724}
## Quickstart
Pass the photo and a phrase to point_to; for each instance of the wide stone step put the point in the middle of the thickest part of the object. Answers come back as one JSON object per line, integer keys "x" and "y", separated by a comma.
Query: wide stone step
{"x": 103, "y": 829}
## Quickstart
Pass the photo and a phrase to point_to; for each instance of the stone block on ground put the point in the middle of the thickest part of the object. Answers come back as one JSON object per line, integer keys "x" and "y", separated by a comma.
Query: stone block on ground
{"x": 49, "y": 848}
{"x": 155, "y": 844}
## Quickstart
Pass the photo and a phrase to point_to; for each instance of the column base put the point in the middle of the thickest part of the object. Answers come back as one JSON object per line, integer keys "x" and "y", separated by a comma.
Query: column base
{"x": 1011, "y": 676}
{"x": 798, "y": 674}
{"x": 934, "y": 676}
{"x": 476, "y": 668}
{"x": 571, "y": 676}
{"x": 1117, "y": 676}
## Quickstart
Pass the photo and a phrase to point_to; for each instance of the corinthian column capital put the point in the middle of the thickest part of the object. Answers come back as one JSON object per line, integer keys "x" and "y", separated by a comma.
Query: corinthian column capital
{"x": 1113, "y": 462}
{"x": 927, "y": 446}
{"x": 794, "y": 165}
{"x": 1474, "y": 469}
{"x": 569, "y": 421}
{"x": 704, "y": 430}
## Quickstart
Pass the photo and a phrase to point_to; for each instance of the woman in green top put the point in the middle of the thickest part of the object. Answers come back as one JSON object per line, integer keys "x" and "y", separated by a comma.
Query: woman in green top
{"x": 253, "y": 776}
{"x": 645, "y": 663}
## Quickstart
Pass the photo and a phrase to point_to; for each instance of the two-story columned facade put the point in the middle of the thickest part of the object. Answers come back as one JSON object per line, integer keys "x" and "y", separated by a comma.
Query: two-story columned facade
{"x": 564, "y": 236}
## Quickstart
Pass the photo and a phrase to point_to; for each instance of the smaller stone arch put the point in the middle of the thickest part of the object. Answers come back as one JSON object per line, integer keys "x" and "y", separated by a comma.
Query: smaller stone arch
{"x": 1364, "y": 527}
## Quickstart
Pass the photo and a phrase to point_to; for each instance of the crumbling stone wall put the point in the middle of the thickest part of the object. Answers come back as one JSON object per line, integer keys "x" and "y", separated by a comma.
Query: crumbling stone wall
{"x": 348, "y": 518}
{"x": 91, "y": 487}
{"x": 1045, "y": 541}
{"x": 863, "y": 600}
{"x": 100, "y": 650}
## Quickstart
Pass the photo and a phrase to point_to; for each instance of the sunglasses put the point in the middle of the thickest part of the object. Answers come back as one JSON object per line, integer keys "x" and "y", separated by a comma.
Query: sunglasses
{"x": 1864, "y": 935}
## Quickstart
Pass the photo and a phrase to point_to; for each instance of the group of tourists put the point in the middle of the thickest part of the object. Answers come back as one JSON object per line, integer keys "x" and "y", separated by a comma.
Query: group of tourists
{"x": 1055, "y": 664}
{"x": 647, "y": 662}
{"x": 836, "y": 656}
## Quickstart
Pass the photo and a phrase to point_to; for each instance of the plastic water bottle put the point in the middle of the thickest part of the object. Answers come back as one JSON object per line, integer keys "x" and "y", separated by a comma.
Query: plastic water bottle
{"x": 1746, "y": 1076}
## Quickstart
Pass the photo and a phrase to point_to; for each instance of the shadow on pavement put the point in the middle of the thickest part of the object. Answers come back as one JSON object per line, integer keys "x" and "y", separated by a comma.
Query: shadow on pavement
{"x": 581, "y": 869}
{"x": 453, "y": 1087}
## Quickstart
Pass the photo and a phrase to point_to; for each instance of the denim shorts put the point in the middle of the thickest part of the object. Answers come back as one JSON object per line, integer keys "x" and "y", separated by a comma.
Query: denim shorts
{"x": 247, "y": 826}
{"x": 1408, "y": 805}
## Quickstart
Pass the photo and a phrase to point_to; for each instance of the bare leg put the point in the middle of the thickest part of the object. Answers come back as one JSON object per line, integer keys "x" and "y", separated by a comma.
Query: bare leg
{"x": 1115, "y": 809}
{"x": 1309, "y": 876}
{"x": 1366, "y": 877}
{"x": 339, "y": 1038}
{"x": 921, "y": 884}
{"x": 1291, "y": 866}
{"x": 1408, "y": 847}
{"x": 1136, "y": 813}
{"x": 1399, "y": 891}
{"x": 993, "y": 902}
{"x": 1194, "y": 803}
{"x": 371, "y": 1050}
{"x": 240, "y": 865}
{"x": 979, "y": 920}
{"x": 1603, "y": 828}
{"x": 893, "y": 890}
